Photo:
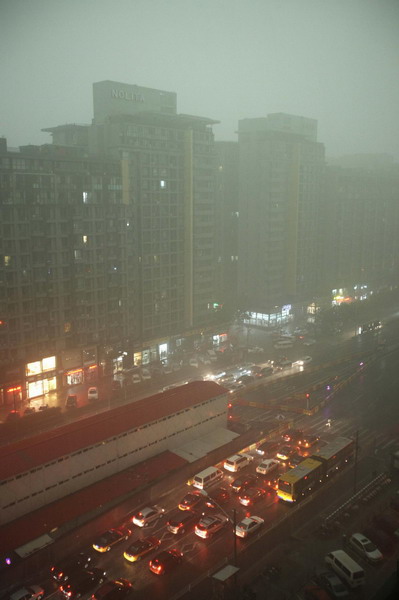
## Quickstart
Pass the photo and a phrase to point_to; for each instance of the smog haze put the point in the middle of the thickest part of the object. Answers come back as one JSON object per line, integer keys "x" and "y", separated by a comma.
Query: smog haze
{"x": 336, "y": 61}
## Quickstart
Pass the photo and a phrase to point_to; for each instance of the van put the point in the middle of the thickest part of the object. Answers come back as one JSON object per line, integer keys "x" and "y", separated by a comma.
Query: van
{"x": 236, "y": 462}
{"x": 207, "y": 477}
{"x": 346, "y": 568}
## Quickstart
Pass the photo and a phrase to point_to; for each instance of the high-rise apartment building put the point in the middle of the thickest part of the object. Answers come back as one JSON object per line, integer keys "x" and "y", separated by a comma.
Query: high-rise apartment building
{"x": 281, "y": 166}
{"x": 227, "y": 190}
{"x": 361, "y": 226}
{"x": 108, "y": 241}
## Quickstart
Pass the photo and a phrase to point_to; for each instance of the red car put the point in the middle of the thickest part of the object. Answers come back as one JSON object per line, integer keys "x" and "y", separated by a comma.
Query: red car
{"x": 191, "y": 500}
{"x": 251, "y": 495}
{"x": 165, "y": 561}
{"x": 218, "y": 496}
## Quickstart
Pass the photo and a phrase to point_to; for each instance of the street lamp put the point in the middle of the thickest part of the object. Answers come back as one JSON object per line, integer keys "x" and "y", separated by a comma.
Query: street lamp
{"x": 232, "y": 521}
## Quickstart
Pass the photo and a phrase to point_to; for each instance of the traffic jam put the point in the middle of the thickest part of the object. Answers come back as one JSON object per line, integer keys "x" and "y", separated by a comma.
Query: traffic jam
{"x": 220, "y": 499}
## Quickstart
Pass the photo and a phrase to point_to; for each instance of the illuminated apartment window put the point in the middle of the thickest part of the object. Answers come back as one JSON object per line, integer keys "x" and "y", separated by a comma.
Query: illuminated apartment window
{"x": 84, "y": 239}
{"x": 7, "y": 261}
{"x": 85, "y": 197}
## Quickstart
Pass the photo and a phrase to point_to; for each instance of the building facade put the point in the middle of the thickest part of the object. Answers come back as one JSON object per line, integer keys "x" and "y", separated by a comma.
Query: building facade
{"x": 108, "y": 242}
{"x": 361, "y": 225}
{"x": 281, "y": 166}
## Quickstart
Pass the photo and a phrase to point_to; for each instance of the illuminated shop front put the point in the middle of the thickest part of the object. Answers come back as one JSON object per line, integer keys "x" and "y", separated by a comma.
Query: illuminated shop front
{"x": 74, "y": 377}
{"x": 41, "y": 377}
{"x": 272, "y": 319}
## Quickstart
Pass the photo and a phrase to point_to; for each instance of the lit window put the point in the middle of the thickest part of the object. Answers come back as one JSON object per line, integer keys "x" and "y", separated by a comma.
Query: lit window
{"x": 84, "y": 238}
{"x": 162, "y": 183}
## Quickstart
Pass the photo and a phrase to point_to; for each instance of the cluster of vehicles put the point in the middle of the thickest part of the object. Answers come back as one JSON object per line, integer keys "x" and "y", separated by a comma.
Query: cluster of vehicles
{"x": 248, "y": 478}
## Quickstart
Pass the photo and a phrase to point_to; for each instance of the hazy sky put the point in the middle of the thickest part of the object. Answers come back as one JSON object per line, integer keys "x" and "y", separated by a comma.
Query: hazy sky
{"x": 333, "y": 60}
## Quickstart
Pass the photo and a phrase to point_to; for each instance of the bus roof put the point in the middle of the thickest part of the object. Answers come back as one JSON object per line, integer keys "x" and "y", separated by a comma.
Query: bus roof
{"x": 304, "y": 468}
{"x": 332, "y": 448}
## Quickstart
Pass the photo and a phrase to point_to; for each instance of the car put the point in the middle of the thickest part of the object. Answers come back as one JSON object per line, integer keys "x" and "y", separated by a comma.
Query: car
{"x": 268, "y": 448}
{"x": 71, "y": 401}
{"x": 332, "y": 584}
{"x": 28, "y": 592}
{"x": 210, "y": 524}
{"x": 110, "y": 538}
{"x": 280, "y": 365}
{"x": 315, "y": 592}
{"x": 266, "y": 371}
{"x": 295, "y": 459}
{"x": 180, "y": 522}
{"x": 285, "y": 453}
{"x": 191, "y": 500}
{"x": 245, "y": 379}
{"x": 165, "y": 561}
{"x": 267, "y": 466}
{"x": 148, "y": 515}
{"x": 140, "y": 548}
{"x": 243, "y": 482}
{"x": 29, "y": 410}
{"x": 251, "y": 495}
{"x": 248, "y": 525}
{"x": 61, "y": 570}
{"x": 193, "y": 362}
{"x": 145, "y": 374}
{"x": 218, "y": 496}
{"x": 92, "y": 393}
{"x": 292, "y": 436}
{"x": 255, "y": 350}
{"x": 13, "y": 415}
{"x": 136, "y": 377}
{"x": 365, "y": 547}
{"x": 283, "y": 344}
{"x": 308, "y": 441}
{"x": 82, "y": 582}
{"x": 118, "y": 589}
{"x": 304, "y": 361}
{"x": 309, "y": 342}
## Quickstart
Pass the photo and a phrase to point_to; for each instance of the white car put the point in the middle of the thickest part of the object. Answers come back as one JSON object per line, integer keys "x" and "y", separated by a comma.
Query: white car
{"x": 248, "y": 526}
{"x": 145, "y": 373}
{"x": 148, "y": 515}
{"x": 304, "y": 361}
{"x": 365, "y": 547}
{"x": 193, "y": 362}
{"x": 267, "y": 466}
{"x": 136, "y": 378}
{"x": 210, "y": 524}
{"x": 255, "y": 350}
{"x": 92, "y": 393}
{"x": 29, "y": 592}
{"x": 309, "y": 342}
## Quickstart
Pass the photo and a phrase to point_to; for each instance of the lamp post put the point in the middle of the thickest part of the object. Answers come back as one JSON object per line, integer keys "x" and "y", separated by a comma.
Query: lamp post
{"x": 232, "y": 521}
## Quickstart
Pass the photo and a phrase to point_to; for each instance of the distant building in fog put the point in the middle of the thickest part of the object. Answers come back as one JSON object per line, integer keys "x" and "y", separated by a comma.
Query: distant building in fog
{"x": 361, "y": 225}
{"x": 227, "y": 192}
{"x": 281, "y": 167}
{"x": 108, "y": 245}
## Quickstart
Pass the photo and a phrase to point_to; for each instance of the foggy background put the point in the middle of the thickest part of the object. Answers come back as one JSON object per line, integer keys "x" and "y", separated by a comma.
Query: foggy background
{"x": 333, "y": 60}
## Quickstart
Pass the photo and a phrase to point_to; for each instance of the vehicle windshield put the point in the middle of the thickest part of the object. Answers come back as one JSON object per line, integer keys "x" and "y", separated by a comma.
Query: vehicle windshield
{"x": 284, "y": 486}
{"x": 369, "y": 547}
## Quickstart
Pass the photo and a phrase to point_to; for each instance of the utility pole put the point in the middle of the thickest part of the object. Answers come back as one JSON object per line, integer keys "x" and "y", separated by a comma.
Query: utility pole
{"x": 234, "y": 535}
{"x": 355, "y": 465}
